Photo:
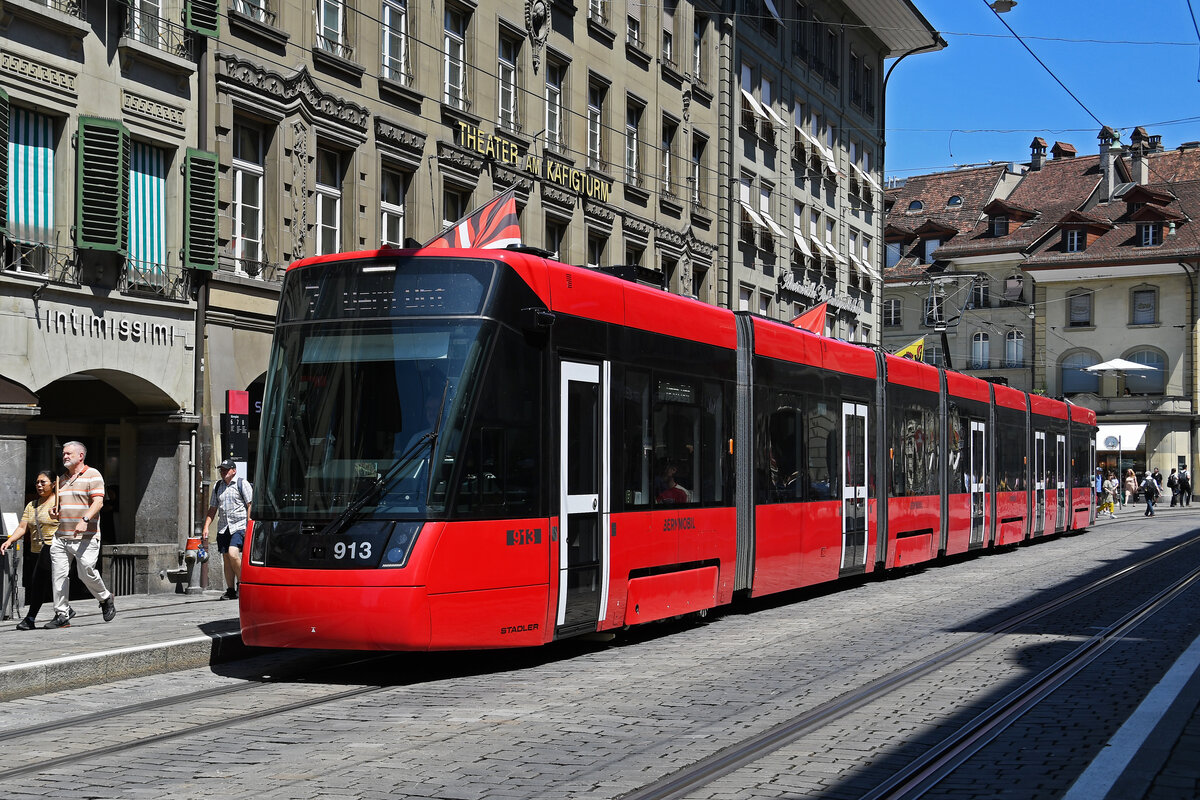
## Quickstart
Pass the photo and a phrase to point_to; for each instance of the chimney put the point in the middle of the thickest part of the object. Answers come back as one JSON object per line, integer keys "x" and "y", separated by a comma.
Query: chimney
{"x": 1110, "y": 148}
{"x": 1037, "y": 153}
{"x": 1154, "y": 144}
{"x": 1063, "y": 150}
{"x": 1138, "y": 166}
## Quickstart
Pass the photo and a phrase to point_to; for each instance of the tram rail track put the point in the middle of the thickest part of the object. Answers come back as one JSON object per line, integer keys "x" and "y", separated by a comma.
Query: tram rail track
{"x": 925, "y": 772}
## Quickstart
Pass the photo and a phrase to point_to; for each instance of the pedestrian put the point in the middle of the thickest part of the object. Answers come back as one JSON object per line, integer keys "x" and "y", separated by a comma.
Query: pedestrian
{"x": 231, "y": 498}
{"x": 1111, "y": 489}
{"x": 35, "y": 567}
{"x": 80, "y": 498}
{"x": 1131, "y": 486}
{"x": 1150, "y": 487}
{"x": 1185, "y": 485}
{"x": 1098, "y": 480}
{"x": 1173, "y": 485}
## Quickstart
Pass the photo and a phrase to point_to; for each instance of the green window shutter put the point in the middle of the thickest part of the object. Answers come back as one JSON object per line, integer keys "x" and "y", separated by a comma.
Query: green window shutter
{"x": 203, "y": 17}
{"x": 4, "y": 137}
{"x": 102, "y": 196}
{"x": 200, "y": 217}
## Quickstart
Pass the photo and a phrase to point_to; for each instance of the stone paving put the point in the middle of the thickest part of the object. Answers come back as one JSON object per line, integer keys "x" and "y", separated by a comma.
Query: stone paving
{"x": 590, "y": 719}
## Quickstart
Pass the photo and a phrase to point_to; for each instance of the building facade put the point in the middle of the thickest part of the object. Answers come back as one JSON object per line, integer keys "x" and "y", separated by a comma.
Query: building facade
{"x": 1103, "y": 254}
{"x": 162, "y": 176}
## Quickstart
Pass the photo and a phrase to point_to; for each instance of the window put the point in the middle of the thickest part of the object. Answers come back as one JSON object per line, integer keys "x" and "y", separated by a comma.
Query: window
{"x": 954, "y": 201}
{"x": 598, "y": 11}
{"x": 454, "y": 205}
{"x": 1145, "y": 306}
{"x": 633, "y": 122}
{"x": 916, "y": 205}
{"x": 998, "y": 225}
{"x": 555, "y": 77}
{"x": 1149, "y": 234}
{"x": 506, "y": 75}
{"x": 634, "y": 253}
{"x": 698, "y": 66}
{"x": 1075, "y": 240}
{"x": 556, "y": 236}
{"x": 893, "y": 254}
{"x": 891, "y": 313}
{"x": 596, "y": 246}
{"x": 935, "y": 310}
{"x": 454, "y": 47}
{"x": 1014, "y": 350}
{"x": 928, "y": 246}
{"x": 934, "y": 355}
{"x": 331, "y": 27}
{"x": 595, "y": 122}
{"x": 668, "y": 32}
{"x": 764, "y": 304}
{"x": 392, "y": 187}
{"x": 147, "y": 213}
{"x": 395, "y": 42}
{"x": 980, "y": 351}
{"x": 633, "y": 31}
{"x": 1075, "y": 377}
{"x": 669, "y": 130}
{"x": 980, "y": 292}
{"x": 30, "y": 157}
{"x": 247, "y": 171}
{"x": 329, "y": 201}
{"x": 745, "y": 297}
{"x": 1154, "y": 379}
{"x": 699, "y": 184}
{"x": 1013, "y": 287}
{"x": 146, "y": 20}
{"x": 1079, "y": 310}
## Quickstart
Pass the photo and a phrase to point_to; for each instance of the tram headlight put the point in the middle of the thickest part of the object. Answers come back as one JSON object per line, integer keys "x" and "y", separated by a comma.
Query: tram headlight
{"x": 400, "y": 544}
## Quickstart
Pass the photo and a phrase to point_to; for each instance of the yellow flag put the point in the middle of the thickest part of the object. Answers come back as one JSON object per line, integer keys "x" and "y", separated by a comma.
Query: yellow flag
{"x": 914, "y": 351}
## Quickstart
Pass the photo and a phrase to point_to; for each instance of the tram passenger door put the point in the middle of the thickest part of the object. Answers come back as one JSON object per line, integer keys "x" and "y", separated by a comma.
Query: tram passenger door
{"x": 1039, "y": 483}
{"x": 583, "y": 470}
{"x": 1060, "y": 482}
{"x": 854, "y": 487}
{"x": 978, "y": 481}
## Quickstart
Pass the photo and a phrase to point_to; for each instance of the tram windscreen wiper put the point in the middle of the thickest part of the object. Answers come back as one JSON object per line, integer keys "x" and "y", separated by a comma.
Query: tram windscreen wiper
{"x": 338, "y": 523}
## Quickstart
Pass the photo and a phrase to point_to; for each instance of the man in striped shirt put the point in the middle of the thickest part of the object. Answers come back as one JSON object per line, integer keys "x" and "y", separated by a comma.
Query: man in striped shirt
{"x": 80, "y": 498}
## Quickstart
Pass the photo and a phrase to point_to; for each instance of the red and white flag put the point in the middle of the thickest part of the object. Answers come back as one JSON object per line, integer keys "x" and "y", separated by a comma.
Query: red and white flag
{"x": 492, "y": 226}
{"x": 813, "y": 319}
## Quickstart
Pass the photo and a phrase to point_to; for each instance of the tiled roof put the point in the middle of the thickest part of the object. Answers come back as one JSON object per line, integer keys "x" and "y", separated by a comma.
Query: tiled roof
{"x": 1061, "y": 185}
{"x": 974, "y": 188}
{"x": 1122, "y": 244}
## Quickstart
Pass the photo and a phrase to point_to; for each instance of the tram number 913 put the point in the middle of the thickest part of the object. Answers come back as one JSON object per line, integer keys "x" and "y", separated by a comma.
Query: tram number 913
{"x": 355, "y": 551}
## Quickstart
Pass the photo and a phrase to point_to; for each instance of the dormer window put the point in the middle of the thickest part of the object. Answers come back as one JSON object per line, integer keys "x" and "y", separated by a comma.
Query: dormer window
{"x": 1149, "y": 234}
{"x": 916, "y": 205}
{"x": 954, "y": 201}
{"x": 1075, "y": 240}
{"x": 998, "y": 225}
{"x": 927, "y": 248}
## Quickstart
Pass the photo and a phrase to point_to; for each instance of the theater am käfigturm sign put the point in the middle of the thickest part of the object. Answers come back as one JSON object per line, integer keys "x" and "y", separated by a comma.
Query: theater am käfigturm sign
{"x": 505, "y": 151}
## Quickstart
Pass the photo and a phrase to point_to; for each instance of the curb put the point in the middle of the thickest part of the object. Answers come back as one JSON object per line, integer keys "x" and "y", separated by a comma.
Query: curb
{"x": 90, "y": 669}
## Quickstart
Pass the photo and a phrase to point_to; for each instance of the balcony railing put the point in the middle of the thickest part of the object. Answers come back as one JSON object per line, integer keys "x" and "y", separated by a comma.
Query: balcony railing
{"x": 160, "y": 280}
{"x": 336, "y": 47}
{"x": 266, "y": 271}
{"x": 55, "y": 263}
{"x": 256, "y": 10}
{"x": 154, "y": 31}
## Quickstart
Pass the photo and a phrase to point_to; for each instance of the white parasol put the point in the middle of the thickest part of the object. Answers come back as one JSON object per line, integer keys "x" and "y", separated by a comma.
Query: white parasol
{"x": 1120, "y": 365}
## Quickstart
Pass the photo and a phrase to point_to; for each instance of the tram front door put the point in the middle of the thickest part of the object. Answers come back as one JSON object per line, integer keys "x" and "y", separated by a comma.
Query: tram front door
{"x": 583, "y": 497}
{"x": 854, "y": 487}
{"x": 1039, "y": 483}
{"x": 978, "y": 482}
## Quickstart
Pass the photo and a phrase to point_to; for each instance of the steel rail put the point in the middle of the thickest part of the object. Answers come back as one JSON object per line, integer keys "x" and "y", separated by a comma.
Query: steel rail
{"x": 686, "y": 780}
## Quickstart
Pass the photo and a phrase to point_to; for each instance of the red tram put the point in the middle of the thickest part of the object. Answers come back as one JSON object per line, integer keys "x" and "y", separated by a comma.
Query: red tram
{"x": 481, "y": 448}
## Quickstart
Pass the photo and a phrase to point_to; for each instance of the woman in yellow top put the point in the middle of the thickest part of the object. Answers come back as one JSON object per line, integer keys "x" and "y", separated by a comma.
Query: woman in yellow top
{"x": 36, "y": 573}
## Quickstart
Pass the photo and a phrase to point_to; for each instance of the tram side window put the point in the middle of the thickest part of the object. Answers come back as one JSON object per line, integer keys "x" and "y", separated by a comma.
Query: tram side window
{"x": 1081, "y": 457}
{"x": 823, "y": 449}
{"x": 914, "y": 433}
{"x": 672, "y": 453}
{"x": 957, "y": 452}
{"x": 500, "y": 474}
{"x": 1010, "y": 450}
{"x": 637, "y": 445}
{"x": 780, "y": 451}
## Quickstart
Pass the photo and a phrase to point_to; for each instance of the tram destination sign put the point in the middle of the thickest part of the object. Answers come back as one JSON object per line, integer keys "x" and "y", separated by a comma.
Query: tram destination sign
{"x": 506, "y": 151}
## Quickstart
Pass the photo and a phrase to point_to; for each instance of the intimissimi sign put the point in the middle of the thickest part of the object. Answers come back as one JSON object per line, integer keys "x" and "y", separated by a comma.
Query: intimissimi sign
{"x": 110, "y": 327}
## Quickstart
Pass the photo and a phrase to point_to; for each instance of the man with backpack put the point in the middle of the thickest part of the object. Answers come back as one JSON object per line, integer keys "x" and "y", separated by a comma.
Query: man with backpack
{"x": 1151, "y": 490}
{"x": 231, "y": 498}
{"x": 1173, "y": 485}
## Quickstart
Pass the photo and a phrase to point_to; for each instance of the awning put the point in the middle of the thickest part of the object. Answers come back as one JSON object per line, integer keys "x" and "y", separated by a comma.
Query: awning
{"x": 1125, "y": 437}
{"x": 749, "y": 209}
{"x": 774, "y": 11}
{"x": 773, "y": 225}
{"x": 801, "y": 243}
{"x": 778, "y": 120}
{"x": 758, "y": 109}
{"x": 31, "y": 181}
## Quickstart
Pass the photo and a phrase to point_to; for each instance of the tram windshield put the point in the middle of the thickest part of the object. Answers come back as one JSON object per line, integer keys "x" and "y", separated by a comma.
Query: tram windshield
{"x": 347, "y": 402}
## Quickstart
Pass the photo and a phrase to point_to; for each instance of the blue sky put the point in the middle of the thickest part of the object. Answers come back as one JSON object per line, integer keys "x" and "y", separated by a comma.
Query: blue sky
{"x": 984, "y": 97}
